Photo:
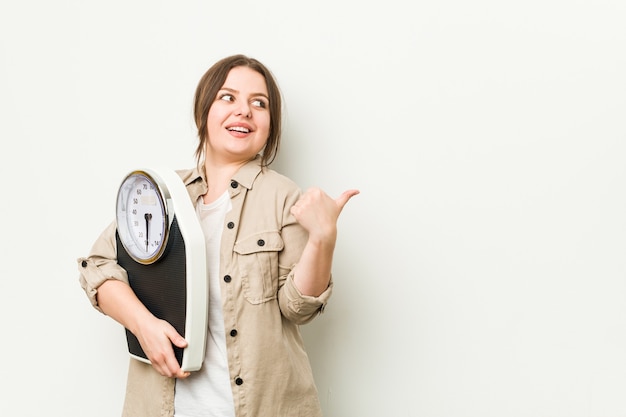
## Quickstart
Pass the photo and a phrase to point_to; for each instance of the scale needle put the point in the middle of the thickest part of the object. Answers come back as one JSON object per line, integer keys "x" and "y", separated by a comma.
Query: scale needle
{"x": 147, "y": 216}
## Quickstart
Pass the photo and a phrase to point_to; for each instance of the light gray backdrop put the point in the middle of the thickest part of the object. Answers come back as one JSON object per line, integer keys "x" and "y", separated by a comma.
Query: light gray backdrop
{"x": 482, "y": 270}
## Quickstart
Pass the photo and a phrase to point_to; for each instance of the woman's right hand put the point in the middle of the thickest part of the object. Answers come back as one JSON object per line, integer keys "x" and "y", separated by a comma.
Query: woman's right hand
{"x": 156, "y": 336}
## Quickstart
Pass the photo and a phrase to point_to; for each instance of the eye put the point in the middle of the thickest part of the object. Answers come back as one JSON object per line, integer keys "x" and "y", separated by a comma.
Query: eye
{"x": 226, "y": 97}
{"x": 257, "y": 102}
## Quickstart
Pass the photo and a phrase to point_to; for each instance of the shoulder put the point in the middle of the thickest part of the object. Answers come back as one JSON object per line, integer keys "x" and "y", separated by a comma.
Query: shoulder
{"x": 278, "y": 178}
{"x": 268, "y": 178}
{"x": 194, "y": 181}
{"x": 189, "y": 175}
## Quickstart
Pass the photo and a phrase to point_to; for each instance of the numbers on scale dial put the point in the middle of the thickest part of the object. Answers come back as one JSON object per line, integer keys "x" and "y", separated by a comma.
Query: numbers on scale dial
{"x": 145, "y": 215}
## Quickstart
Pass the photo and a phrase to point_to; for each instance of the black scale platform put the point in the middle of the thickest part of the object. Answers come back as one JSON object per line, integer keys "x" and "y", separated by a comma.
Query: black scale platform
{"x": 161, "y": 287}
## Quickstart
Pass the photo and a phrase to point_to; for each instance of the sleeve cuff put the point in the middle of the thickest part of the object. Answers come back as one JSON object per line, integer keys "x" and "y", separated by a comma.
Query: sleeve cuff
{"x": 91, "y": 276}
{"x": 305, "y": 307}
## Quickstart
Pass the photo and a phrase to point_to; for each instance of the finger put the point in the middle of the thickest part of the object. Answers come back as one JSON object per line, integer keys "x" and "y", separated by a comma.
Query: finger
{"x": 344, "y": 197}
{"x": 169, "y": 365}
{"x": 172, "y": 362}
{"x": 178, "y": 341}
{"x": 175, "y": 337}
{"x": 173, "y": 367}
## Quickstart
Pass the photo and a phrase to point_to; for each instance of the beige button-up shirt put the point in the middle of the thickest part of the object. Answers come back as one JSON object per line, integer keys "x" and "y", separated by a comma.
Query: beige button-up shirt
{"x": 261, "y": 243}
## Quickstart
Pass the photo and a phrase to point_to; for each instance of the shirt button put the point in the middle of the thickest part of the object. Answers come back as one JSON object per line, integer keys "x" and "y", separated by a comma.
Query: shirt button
{"x": 260, "y": 242}
{"x": 238, "y": 381}
{"x": 230, "y": 225}
{"x": 227, "y": 278}
{"x": 233, "y": 184}
{"x": 233, "y": 332}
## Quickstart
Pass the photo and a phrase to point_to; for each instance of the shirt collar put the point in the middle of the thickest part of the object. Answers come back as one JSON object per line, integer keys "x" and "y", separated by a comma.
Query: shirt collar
{"x": 244, "y": 175}
{"x": 248, "y": 173}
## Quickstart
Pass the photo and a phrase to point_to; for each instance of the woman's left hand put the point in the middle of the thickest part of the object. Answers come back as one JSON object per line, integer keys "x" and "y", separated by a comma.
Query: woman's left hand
{"x": 317, "y": 212}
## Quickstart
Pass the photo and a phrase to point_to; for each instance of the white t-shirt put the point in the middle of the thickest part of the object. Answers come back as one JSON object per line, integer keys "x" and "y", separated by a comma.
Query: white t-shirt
{"x": 207, "y": 392}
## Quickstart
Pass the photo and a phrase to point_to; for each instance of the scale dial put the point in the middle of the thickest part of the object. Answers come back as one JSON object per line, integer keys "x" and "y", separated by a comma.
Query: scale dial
{"x": 142, "y": 216}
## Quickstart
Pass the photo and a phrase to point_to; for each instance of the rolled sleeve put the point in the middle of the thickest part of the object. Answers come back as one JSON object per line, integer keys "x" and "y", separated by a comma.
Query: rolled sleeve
{"x": 300, "y": 308}
{"x": 100, "y": 266}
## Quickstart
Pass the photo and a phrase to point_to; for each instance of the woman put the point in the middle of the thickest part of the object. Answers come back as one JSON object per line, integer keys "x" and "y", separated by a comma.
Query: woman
{"x": 270, "y": 250}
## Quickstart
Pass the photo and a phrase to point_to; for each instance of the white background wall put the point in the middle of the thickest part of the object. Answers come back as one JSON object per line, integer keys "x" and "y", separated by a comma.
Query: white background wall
{"x": 482, "y": 270}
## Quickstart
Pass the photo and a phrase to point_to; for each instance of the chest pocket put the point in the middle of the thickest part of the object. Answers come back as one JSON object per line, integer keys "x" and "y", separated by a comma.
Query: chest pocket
{"x": 258, "y": 265}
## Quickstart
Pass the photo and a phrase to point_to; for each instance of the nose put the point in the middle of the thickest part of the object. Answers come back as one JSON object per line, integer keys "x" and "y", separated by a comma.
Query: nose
{"x": 243, "y": 110}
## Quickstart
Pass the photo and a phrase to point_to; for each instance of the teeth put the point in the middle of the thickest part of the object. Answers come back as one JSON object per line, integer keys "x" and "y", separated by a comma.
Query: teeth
{"x": 239, "y": 129}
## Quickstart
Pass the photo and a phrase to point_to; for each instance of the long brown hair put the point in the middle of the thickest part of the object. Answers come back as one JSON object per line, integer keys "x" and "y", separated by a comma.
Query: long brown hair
{"x": 213, "y": 80}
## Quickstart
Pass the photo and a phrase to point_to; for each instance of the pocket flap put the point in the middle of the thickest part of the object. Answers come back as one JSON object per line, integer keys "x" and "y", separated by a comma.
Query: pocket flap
{"x": 260, "y": 242}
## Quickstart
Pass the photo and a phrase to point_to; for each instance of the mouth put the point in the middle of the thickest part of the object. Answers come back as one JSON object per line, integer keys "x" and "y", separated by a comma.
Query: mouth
{"x": 240, "y": 129}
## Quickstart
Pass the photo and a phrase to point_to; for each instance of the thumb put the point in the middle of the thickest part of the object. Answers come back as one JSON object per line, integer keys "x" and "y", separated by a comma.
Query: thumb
{"x": 344, "y": 197}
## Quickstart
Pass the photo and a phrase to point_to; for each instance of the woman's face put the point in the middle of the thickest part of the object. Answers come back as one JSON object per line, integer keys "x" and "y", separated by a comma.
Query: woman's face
{"x": 238, "y": 122}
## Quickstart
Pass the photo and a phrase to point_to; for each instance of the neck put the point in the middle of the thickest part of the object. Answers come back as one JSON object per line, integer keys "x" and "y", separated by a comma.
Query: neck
{"x": 218, "y": 178}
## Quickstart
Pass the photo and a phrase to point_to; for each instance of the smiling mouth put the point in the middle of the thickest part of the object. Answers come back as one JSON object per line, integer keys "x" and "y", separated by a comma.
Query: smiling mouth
{"x": 239, "y": 129}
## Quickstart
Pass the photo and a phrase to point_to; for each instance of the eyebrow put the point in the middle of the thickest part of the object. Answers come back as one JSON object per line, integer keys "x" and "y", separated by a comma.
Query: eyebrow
{"x": 232, "y": 90}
